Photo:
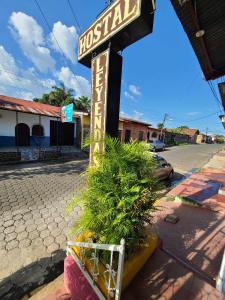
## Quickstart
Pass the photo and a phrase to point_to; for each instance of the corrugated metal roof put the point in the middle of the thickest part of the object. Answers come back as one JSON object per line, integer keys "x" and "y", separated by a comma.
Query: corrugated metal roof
{"x": 15, "y": 104}
{"x": 207, "y": 15}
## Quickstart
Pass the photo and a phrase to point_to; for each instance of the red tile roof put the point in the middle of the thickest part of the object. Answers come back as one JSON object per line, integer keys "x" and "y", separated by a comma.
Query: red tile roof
{"x": 125, "y": 119}
{"x": 189, "y": 131}
{"x": 14, "y": 104}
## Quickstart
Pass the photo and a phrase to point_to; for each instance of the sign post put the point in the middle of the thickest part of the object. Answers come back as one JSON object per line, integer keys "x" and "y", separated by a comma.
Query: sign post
{"x": 106, "y": 82}
{"x": 121, "y": 24}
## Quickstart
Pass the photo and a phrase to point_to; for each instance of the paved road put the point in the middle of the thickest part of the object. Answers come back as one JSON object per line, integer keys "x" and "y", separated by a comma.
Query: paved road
{"x": 186, "y": 158}
{"x": 33, "y": 222}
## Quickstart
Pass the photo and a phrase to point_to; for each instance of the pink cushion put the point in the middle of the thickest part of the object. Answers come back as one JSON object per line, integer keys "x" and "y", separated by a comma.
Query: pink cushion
{"x": 75, "y": 282}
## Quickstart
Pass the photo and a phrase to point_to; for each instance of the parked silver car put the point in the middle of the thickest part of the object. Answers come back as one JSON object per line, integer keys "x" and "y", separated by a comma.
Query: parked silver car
{"x": 157, "y": 145}
{"x": 164, "y": 170}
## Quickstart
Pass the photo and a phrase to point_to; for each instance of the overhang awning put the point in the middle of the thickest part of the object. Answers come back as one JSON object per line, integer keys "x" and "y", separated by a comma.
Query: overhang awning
{"x": 207, "y": 19}
{"x": 221, "y": 87}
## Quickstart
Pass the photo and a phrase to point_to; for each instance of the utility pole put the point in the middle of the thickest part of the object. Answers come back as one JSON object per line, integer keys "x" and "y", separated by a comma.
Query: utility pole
{"x": 206, "y": 133}
{"x": 163, "y": 122}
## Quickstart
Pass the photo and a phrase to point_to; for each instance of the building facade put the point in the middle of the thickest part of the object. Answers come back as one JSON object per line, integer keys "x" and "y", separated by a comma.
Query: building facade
{"x": 192, "y": 133}
{"x": 154, "y": 134}
{"x": 133, "y": 129}
{"x": 29, "y": 124}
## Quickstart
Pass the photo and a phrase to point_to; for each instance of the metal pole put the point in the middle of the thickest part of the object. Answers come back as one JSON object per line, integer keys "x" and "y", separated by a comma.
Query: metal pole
{"x": 120, "y": 270}
{"x": 17, "y": 147}
{"x": 57, "y": 142}
{"x": 206, "y": 134}
{"x": 39, "y": 143}
{"x": 220, "y": 284}
{"x": 163, "y": 122}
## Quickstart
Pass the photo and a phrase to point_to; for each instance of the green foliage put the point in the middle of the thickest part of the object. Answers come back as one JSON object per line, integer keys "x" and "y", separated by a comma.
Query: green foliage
{"x": 160, "y": 125}
{"x": 176, "y": 130}
{"x": 219, "y": 139}
{"x": 183, "y": 127}
{"x": 178, "y": 143}
{"x": 82, "y": 103}
{"x": 120, "y": 194}
{"x": 60, "y": 96}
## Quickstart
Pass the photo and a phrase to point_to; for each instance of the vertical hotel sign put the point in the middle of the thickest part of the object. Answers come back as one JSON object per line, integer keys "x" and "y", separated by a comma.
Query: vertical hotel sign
{"x": 100, "y": 73}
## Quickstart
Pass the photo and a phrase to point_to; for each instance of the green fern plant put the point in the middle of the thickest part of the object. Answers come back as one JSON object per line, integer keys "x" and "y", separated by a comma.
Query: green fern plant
{"x": 119, "y": 195}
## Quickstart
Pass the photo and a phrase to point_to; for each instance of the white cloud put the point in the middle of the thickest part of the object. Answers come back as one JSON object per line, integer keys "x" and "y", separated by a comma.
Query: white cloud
{"x": 30, "y": 37}
{"x": 128, "y": 95}
{"x": 67, "y": 38}
{"x": 79, "y": 84}
{"x": 7, "y": 61}
{"x": 8, "y": 67}
{"x": 123, "y": 114}
{"x": 135, "y": 90}
{"x": 18, "y": 82}
{"x": 193, "y": 113}
{"x": 138, "y": 115}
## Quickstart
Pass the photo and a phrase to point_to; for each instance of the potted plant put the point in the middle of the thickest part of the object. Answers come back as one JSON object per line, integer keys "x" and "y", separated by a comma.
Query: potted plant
{"x": 118, "y": 201}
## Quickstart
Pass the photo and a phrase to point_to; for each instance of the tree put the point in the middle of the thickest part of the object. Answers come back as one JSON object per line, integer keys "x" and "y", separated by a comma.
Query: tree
{"x": 219, "y": 138}
{"x": 176, "y": 130}
{"x": 82, "y": 103}
{"x": 183, "y": 127}
{"x": 59, "y": 96}
{"x": 160, "y": 125}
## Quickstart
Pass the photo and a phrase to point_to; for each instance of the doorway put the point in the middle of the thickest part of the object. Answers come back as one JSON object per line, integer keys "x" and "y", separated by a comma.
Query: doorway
{"x": 127, "y": 136}
{"x": 61, "y": 134}
{"x": 22, "y": 134}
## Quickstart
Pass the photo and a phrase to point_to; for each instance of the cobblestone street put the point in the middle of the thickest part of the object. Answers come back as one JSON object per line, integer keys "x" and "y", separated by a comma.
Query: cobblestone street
{"x": 33, "y": 224}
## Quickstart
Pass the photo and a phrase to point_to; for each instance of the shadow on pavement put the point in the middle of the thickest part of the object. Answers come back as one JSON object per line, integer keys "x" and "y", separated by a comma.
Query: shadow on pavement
{"x": 25, "y": 280}
{"x": 21, "y": 172}
{"x": 177, "y": 178}
{"x": 196, "y": 243}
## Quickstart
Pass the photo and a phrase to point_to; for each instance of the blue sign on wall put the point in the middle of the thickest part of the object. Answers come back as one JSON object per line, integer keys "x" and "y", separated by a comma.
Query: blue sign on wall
{"x": 67, "y": 113}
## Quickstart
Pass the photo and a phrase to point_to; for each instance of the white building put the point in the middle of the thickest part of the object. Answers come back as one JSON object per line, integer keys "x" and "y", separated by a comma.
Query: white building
{"x": 26, "y": 123}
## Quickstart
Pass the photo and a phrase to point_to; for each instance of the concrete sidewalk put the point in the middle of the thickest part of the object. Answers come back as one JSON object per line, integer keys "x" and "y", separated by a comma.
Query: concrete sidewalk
{"x": 163, "y": 278}
{"x": 205, "y": 187}
{"x": 188, "y": 265}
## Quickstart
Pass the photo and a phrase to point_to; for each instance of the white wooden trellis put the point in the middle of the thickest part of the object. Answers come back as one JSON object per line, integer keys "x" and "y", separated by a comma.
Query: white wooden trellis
{"x": 113, "y": 279}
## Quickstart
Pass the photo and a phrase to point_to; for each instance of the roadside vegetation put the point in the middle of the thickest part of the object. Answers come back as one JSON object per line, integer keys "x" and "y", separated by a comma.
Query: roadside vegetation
{"x": 120, "y": 194}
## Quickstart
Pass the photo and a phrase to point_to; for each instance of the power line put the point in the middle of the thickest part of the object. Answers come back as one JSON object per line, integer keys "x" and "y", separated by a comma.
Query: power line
{"x": 210, "y": 84}
{"x": 49, "y": 27}
{"x": 74, "y": 15}
{"x": 197, "y": 119}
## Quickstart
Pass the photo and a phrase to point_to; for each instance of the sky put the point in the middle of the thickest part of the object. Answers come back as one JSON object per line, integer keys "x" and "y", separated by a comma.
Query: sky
{"x": 161, "y": 73}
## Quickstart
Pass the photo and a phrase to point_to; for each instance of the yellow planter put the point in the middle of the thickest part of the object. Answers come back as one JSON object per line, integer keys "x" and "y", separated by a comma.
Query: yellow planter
{"x": 131, "y": 267}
